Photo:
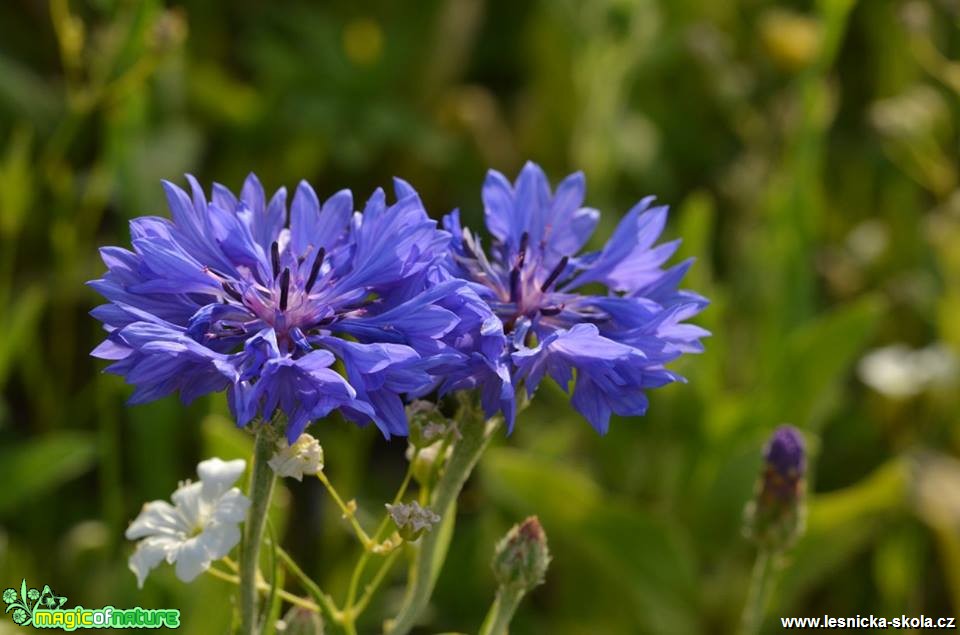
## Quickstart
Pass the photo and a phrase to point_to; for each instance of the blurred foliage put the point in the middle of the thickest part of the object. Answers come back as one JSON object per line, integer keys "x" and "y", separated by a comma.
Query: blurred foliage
{"x": 808, "y": 150}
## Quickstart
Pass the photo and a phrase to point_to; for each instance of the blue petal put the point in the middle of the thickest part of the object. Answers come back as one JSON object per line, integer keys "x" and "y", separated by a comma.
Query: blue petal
{"x": 498, "y": 207}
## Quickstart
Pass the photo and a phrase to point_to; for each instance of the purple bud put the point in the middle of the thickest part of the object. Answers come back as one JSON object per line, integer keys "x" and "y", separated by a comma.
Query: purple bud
{"x": 786, "y": 452}
{"x": 775, "y": 515}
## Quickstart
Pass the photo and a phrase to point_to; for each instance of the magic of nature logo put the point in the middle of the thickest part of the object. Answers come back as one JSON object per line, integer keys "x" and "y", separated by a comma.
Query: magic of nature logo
{"x": 43, "y": 608}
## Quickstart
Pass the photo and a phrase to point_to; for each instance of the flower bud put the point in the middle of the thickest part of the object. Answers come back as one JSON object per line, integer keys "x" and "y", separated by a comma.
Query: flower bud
{"x": 776, "y": 514}
{"x": 427, "y": 462}
{"x": 300, "y": 621}
{"x": 411, "y": 519}
{"x": 427, "y": 425}
{"x": 305, "y": 456}
{"x": 522, "y": 556}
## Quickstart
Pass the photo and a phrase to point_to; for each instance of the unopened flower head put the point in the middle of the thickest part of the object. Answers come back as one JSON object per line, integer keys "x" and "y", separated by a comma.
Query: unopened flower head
{"x": 411, "y": 519}
{"x": 300, "y": 621}
{"x": 427, "y": 423}
{"x": 522, "y": 556}
{"x": 305, "y": 456}
{"x": 202, "y": 524}
{"x": 616, "y": 344}
{"x": 776, "y": 514}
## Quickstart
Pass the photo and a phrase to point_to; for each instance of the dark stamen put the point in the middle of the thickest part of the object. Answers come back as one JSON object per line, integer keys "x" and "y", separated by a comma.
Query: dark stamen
{"x": 551, "y": 310}
{"x": 231, "y": 291}
{"x": 216, "y": 273}
{"x": 555, "y": 273}
{"x": 315, "y": 269}
{"x": 275, "y": 259}
{"x": 515, "y": 285}
{"x": 515, "y": 272}
{"x": 524, "y": 241}
{"x": 284, "y": 288}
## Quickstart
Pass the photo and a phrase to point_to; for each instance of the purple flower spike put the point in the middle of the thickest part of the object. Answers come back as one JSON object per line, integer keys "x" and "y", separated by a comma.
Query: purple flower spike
{"x": 611, "y": 346}
{"x": 245, "y": 295}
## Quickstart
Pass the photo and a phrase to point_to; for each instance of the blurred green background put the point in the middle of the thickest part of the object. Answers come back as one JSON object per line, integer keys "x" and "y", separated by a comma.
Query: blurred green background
{"x": 809, "y": 153}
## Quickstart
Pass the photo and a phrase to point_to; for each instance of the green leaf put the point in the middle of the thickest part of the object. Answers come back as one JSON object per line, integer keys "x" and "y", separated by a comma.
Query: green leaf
{"x": 32, "y": 468}
{"x": 840, "y": 525}
{"x": 28, "y": 93}
{"x": 647, "y": 557}
{"x": 815, "y": 360}
{"x": 17, "y": 189}
{"x": 17, "y": 326}
{"x": 697, "y": 226}
{"x": 442, "y": 543}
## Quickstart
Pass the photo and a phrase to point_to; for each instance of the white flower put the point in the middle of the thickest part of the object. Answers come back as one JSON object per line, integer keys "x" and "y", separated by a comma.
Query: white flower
{"x": 898, "y": 371}
{"x": 201, "y": 526}
{"x": 305, "y": 456}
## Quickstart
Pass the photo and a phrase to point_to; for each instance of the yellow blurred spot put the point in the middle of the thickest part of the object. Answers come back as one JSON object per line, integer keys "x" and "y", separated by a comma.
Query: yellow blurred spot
{"x": 792, "y": 40}
{"x": 363, "y": 41}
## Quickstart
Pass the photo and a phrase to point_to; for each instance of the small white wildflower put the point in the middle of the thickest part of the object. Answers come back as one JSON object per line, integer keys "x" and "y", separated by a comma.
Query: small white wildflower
{"x": 201, "y": 526}
{"x": 305, "y": 456}
{"x": 898, "y": 371}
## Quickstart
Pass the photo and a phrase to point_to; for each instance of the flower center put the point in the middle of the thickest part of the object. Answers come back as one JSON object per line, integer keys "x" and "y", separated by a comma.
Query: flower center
{"x": 524, "y": 295}
{"x": 283, "y": 302}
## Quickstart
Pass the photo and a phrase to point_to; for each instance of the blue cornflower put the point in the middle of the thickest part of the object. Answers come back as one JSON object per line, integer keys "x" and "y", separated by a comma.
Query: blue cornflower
{"x": 612, "y": 346}
{"x": 238, "y": 294}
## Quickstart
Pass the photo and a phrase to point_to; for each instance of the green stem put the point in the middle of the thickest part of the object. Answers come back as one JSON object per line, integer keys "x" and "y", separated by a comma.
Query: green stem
{"x": 476, "y": 435}
{"x": 757, "y": 594}
{"x": 322, "y": 599}
{"x": 261, "y": 488}
{"x": 378, "y": 577}
{"x": 501, "y": 611}
{"x": 348, "y": 511}
{"x": 296, "y": 600}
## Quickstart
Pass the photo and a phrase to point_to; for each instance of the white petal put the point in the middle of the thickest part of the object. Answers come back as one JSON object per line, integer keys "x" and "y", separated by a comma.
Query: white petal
{"x": 156, "y": 518}
{"x": 148, "y": 554}
{"x": 218, "y": 539}
{"x": 192, "y": 559}
{"x": 231, "y": 508}
{"x": 218, "y": 475}
{"x": 191, "y": 504}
